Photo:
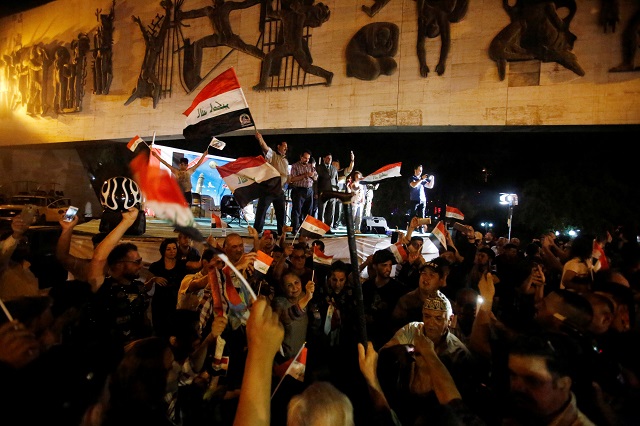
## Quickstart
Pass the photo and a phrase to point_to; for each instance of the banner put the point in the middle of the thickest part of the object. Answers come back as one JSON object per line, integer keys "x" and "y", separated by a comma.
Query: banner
{"x": 220, "y": 107}
{"x": 249, "y": 178}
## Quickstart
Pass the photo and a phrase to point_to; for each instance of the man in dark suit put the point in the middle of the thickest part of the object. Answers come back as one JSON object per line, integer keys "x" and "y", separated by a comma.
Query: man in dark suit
{"x": 328, "y": 176}
{"x": 327, "y": 181}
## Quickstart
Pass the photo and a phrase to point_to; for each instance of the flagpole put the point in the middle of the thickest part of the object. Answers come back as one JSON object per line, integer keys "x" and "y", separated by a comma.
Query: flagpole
{"x": 285, "y": 373}
{"x": 345, "y": 198}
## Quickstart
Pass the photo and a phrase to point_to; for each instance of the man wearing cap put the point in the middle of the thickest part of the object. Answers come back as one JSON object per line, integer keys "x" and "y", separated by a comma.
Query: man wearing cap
{"x": 433, "y": 277}
{"x": 380, "y": 295}
{"x": 437, "y": 315}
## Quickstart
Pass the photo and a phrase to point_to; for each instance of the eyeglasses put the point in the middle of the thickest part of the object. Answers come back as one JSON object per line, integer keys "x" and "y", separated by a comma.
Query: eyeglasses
{"x": 297, "y": 257}
{"x": 137, "y": 261}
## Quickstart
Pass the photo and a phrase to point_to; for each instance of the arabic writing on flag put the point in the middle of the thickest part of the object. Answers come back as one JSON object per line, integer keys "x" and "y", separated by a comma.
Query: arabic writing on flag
{"x": 134, "y": 142}
{"x": 220, "y": 107}
{"x": 388, "y": 171}
{"x": 438, "y": 232}
{"x": 454, "y": 213}
{"x": 321, "y": 258}
{"x": 249, "y": 178}
{"x": 262, "y": 262}
{"x": 161, "y": 191}
{"x": 313, "y": 228}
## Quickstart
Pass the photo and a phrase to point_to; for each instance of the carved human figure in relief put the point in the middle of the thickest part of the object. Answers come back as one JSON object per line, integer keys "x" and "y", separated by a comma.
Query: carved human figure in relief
{"x": 149, "y": 84}
{"x": 295, "y": 16}
{"x": 434, "y": 17}
{"x": 223, "y": 34}
{"x": 371, "y": 50}
{"x": 538, "y": 32}
{"x": 630, "y": 44}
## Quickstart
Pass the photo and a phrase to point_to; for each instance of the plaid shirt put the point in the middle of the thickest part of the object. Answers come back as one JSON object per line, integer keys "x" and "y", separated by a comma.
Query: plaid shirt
{"x": 300, "y": 168}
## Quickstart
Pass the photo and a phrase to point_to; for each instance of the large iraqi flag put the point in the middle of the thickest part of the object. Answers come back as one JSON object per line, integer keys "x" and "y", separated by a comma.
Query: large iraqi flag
{"x": 388, "y": 171}
{"x": 220, "y": 107}
{"x": 249, "y": 178}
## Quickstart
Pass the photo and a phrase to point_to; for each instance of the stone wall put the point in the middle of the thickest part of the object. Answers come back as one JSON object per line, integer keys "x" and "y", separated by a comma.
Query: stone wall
{"x": 469, "y": 93}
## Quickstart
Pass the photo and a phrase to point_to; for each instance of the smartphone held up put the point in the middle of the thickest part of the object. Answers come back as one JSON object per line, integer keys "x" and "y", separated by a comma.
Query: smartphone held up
{"x": 71, "y": 212}
{"x": 28, "y": 214}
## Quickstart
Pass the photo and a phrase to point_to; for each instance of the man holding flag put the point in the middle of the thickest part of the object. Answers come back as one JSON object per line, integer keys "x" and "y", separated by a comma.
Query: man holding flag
{"x": 183, "y": 172}
{"x": 278, "y": 159}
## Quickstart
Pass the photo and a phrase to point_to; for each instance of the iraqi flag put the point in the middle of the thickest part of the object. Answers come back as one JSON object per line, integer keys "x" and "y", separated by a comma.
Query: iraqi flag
{"x": 313, "y": 228}
{"x": 262, "y": 262}
{"x": 249, "y": 178}
{"x": 220, "y": 107}
{"x": 388, "y": 171}
{"x": 320, "y": 258}
{"x": 399, "y": 252}
{"x": 162, "y": 194}
{"x": 134, "y": 142}
{"x": 438, "y": 232}
{"x": 295, "y": 367}
{"x": 454, "y": 213}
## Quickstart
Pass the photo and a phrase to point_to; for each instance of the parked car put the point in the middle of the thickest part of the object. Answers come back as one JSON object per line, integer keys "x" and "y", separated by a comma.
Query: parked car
{"x": 48, "y": 208}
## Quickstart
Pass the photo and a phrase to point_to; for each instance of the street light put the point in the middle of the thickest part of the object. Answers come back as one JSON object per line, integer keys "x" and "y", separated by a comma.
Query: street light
{"x": 486, "y": 226}
{"x": 511, "y": 200}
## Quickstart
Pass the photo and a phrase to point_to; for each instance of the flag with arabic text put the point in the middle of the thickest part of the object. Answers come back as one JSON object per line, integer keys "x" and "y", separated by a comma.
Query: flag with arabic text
{"x": 320, "y": 258}
{"x": 220, "y": 107}
{"x": 388, "y": 171}
{"x": 313, "y": 228}
{"x": 249, "y": 178}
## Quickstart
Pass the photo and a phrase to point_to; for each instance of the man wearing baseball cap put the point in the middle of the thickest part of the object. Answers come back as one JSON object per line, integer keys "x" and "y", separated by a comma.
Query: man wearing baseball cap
{"x": 432, "y": 277}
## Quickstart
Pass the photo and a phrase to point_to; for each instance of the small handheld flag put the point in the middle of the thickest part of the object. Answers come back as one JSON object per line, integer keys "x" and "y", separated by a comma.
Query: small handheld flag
{"x": 438, "y": 232}
{"x": 313, "y": 228}
{"x": 263, "y": 262}
{"x": 134, "y": 142}
{"x": 321, "y": 258}
{"x": 454, "y": 213}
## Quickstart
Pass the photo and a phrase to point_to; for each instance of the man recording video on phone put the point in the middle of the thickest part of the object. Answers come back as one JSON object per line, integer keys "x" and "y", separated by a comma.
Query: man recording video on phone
{"x": 419, "y": 183}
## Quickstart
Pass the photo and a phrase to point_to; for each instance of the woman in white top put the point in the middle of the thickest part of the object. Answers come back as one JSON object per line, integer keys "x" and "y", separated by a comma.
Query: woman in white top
{"x": 357, "y": 198}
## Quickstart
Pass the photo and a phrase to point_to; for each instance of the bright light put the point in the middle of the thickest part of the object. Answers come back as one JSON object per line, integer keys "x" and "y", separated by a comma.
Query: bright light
{"x": 510, "y": 199}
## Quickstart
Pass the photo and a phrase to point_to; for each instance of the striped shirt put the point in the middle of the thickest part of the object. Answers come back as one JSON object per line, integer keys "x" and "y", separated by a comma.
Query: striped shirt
{"x": 300, "y": 168}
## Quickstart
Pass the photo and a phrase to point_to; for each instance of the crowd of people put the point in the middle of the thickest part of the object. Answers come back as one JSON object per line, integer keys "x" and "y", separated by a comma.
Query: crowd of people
{"x": 490, "y": 331}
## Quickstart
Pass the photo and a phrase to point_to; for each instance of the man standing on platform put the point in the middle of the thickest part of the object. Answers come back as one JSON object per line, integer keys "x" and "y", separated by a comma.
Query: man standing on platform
{"x": 279, "y": 161}
{"x": 328, "y": 181}
{"x": 342, "y": 185}
{"x": 418, "y": 184}
{"x": 301, "y": 181}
